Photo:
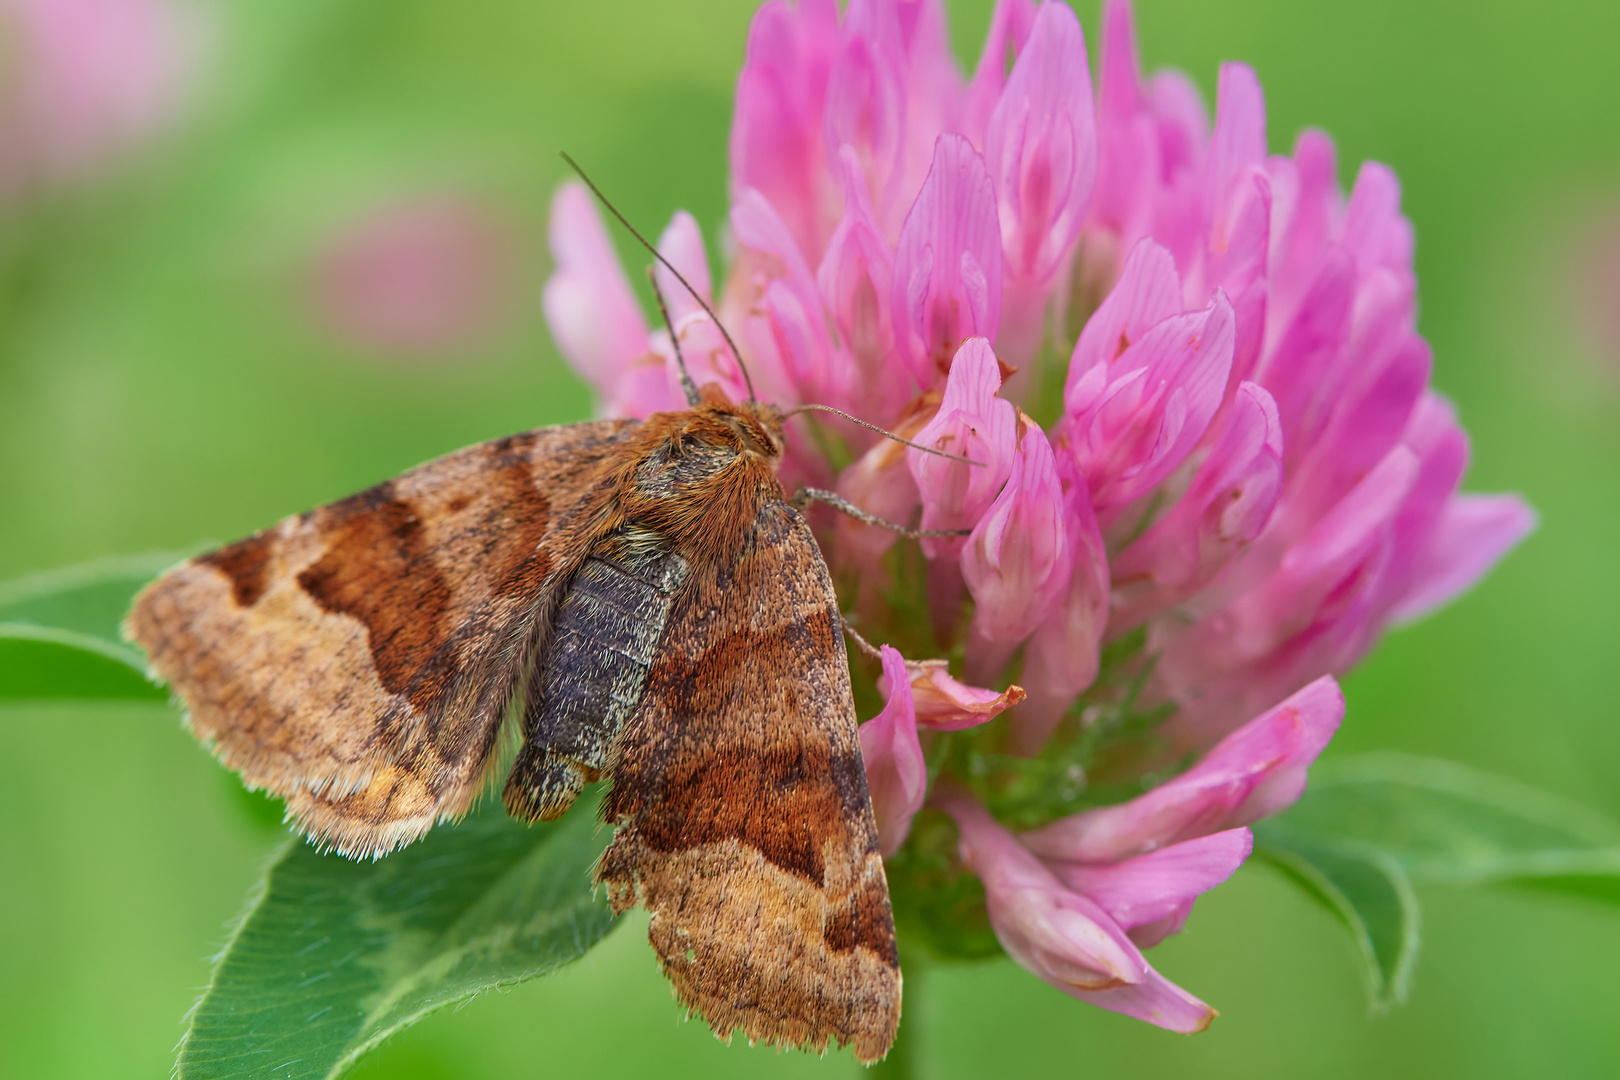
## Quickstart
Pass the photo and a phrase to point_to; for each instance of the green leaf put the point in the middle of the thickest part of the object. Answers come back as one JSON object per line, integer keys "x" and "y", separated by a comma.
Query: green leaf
{"x": 1450, "y": 823}
{"x": 1366, "y": 889}
{"x": 59, "y": 631}
{"x": 1370, "y": 824}
{"x": 336, "y": 955}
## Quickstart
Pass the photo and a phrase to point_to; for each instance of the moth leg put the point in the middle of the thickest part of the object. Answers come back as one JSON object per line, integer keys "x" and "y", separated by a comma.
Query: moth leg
{"x": 592, "y": 671}
{"x": 860, "y": 642}
{"x": 807, "y": 495}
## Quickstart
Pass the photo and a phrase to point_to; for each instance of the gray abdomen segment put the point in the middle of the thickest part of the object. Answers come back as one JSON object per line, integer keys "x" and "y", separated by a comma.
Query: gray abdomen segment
{"x": 593, "y": 670}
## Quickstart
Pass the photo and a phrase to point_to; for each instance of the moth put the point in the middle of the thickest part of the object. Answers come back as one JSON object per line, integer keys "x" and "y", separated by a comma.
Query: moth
{"x": 655, "y": 602}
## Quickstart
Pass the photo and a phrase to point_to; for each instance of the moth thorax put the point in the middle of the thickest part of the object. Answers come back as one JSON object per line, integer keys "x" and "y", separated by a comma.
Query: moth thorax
{"x": 638, "y": 544}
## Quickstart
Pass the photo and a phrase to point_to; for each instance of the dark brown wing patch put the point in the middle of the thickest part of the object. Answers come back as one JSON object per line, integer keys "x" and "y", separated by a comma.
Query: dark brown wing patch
{"x": 379, "y": 570}
{"x": 358, "y": 659}
{"x": 745, "y": 826}
{"x": 244, "y": 562}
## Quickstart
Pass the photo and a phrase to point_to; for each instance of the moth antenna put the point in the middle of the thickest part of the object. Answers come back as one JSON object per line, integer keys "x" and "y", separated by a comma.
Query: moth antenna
{"x": 688, "y": 387}
{"x": 860, "y": 643}
{"x": 882, "y": 432}
{"x": 704, "y": 304}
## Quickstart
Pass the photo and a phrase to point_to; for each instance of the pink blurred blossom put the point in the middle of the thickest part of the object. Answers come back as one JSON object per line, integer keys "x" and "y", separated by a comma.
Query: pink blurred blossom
{"x": 588, "y": 303}
{"x": 86, "y": 81}
{"x": 1594, "y": 285}
{"x": 424, "y": 276}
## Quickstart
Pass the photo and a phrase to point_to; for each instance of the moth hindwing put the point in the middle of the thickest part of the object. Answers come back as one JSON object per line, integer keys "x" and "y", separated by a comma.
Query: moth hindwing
{"x": 673, "y": 627}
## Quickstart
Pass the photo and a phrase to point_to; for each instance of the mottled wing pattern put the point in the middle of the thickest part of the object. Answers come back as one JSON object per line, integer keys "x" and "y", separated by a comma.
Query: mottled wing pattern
{"x": 357, "y": 660}
{"x": 745, "y": 826}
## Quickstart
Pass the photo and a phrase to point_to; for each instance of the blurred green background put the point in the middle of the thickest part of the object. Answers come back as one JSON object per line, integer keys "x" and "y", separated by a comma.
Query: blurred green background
{"x": 170, "y": 373}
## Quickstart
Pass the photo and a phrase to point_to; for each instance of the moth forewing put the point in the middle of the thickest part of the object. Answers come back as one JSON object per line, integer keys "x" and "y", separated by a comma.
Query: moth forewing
{"x": 357, "y": 660}
{"x": 745, "y": 826}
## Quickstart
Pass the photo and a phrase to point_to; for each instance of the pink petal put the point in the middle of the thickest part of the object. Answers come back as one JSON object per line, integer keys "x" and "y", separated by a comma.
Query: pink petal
{"x": 802, "y": 345}
{"x": 1375, "y": 234}
{"x": 1227, "y": 505}
{"x": 1235, "y": 263}
{"x": 1369, "y": 420}
{"x": 1120, "y": 76}
{"x": 944, "y": 704}
{"x": 1128, "y": 159}
{"x": 1151, "y": 147}
{"x": 1307, "y": 206}
{"x": 1150, "y": 934}
{"x": 1010, "y": 25}
{"x": 934, "y": 92}
{"x": 1474, "y": 532}
{"x": 1163, "y": 392}
{"x": 880, "y": 483}
{"x": 1148, "y": 292}
{"x": 1041, "y": 148}
{"x": 1016, "y": 563}
{"x": 1156, "y": 886}
{"x": 1239, "y": 139}
{"x": 1256, "y": 771}
{"x": 682, "y": 244}
{"x": 972, "y": 422}
{"x": 1156, "y": 1000}
{"x": 1298, "y": 370}
{"x": 866, "y": 103}
{"x": 1320, "y": 568}
{"x": 588, "y": 303}
{"x": 1434, "y": 435}
{"x": 1051, "y": 931}
{"x": 1061, "y": 658}
{"x": 647, "y": 386}
{"x": 896, "y": 776}
{"x": 757, "y": 226}
{"x": 1333, "y": 571}
{"x": 708, "y": 359}
{"x": 794, "y": 315}
{"x": 856, "y": 282}
{"x": 947, "y": 264}
{"x": 777, "y": 144}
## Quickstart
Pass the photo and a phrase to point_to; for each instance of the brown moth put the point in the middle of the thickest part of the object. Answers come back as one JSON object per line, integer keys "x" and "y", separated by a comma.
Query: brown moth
{"x": 657, "y": 605}
{"x": 662, "y": 611}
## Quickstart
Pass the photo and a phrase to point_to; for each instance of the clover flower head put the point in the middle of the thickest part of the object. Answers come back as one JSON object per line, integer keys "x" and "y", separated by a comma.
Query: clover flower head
{"x": 1209, "y": 472}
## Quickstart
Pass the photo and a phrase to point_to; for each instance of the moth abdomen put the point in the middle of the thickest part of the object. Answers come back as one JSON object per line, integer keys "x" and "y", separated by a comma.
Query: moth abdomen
{"x": 593, "y": 670}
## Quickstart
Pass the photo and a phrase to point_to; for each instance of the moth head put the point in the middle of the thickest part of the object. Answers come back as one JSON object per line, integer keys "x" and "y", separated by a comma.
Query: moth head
{"x": 755, "y": 427}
